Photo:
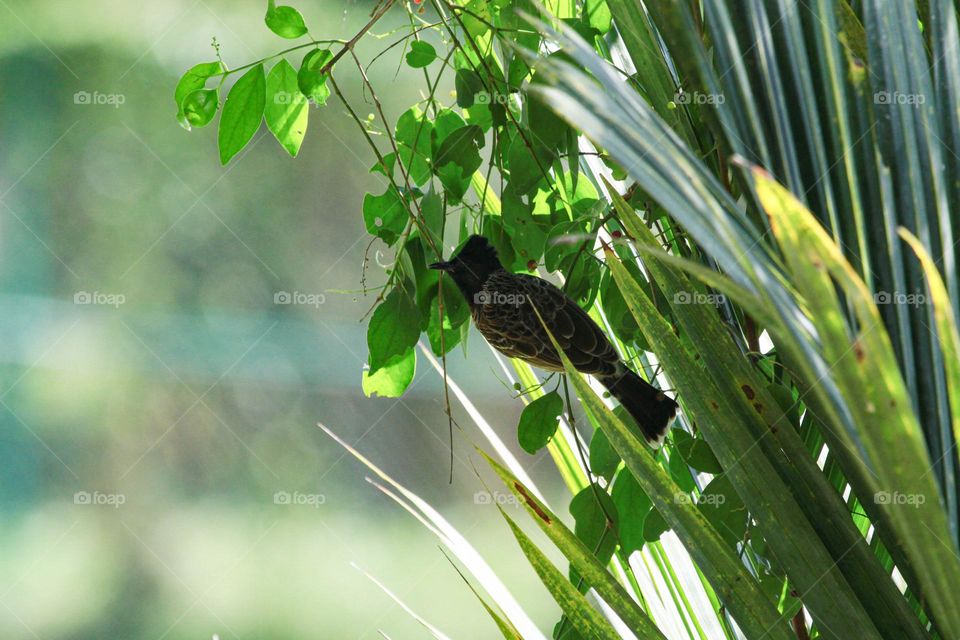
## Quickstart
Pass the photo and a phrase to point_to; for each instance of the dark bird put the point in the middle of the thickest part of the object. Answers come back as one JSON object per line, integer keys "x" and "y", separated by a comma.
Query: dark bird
{"x": 500, "y": 303}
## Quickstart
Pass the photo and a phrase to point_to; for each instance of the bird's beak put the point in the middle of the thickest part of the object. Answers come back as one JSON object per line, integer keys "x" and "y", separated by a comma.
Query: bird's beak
{"x": 442, "y": 266}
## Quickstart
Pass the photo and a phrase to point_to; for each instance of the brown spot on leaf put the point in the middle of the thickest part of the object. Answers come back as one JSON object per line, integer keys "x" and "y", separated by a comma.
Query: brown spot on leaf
{"x": 749, "y": 392}
{"x": 715, "y": 406}
{"x": 858, "y": 351}
{"x": 758, "y": 407}
{"x": 531, "y": 502}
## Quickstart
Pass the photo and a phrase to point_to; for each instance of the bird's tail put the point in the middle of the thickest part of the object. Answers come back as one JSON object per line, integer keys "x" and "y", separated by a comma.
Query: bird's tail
{"x": 650, "y": 408}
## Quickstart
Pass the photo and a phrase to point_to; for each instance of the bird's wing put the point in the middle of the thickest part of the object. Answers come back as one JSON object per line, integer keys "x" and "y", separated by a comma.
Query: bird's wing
{"x": 517, "y": 331}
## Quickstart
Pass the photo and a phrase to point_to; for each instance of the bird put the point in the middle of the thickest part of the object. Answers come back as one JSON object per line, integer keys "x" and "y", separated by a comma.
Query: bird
{"x": 502, "y": 306}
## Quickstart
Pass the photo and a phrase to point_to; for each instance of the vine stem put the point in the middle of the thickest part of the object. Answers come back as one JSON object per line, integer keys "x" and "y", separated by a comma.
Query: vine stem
{"x": 348, "y": 45}
{"x": 312, "y": 43}
{"x": 379, "y": 13}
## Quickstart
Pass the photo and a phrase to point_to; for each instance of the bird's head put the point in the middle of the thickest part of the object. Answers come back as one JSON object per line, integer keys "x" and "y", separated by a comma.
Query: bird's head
{"x": 471, "y": 265}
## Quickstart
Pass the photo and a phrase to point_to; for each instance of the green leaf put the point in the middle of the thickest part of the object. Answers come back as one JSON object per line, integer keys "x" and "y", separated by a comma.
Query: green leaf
{"x": 724, "y": 509}
{"x": 393, "y": 330}
{"x": 681, "y": 472}
{"x": 312, "y": 78}
{"x": 546, "y": 127}
{"x": 603, "y": 458}
{"x": 200, "y": 106}
{"x": 507, "y": 630}
{"x": 564, "y": 240}
{"x": 467, "y": 84}
{"x": 742, "y": 596}
{"x": 385, "y": 216}
{"x": 696, "y": 452}
{"x": 286, "y": 109}
{"x": 386, "y": 167}
{"x": 538, "y": 422}
{"x": 393, "y": 378}
{"x": 889, "y": 434}
{"x": 654, "y": 526}
{"x": 413, "y": 134}
{"x": 784, "y": 398}
{"x": 195, "y": 78}
{"x": 596, "y": 13}
{"x": 526, "y": 168}
{"x": 633, "y": 507}
{"x": 455, "y": 314}
{"x": 581, "y": 558}
{"x": 242, "y": 113}
{"x": 528, "y": 237}
{"x": 574, "y": 605}
{"x": 285, "y": 21}
{"x": 615, "y": 308}
{"x": 431, "y": 208}
{"x": 590, "y": 509}
{"x": 946, "y": 323}
{"x": 421, "y": 54}
{"x": 445, "y": 123}
{"x": 456, "y": 159}
{"x": 583, "y": 278}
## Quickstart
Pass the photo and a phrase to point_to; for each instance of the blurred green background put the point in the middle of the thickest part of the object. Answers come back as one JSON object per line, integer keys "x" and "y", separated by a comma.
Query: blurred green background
{"x": 154, "y": 399}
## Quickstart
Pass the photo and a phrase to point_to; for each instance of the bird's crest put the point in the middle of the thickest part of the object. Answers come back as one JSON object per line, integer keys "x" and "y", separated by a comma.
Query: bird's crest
{"x": 477, "y": 250}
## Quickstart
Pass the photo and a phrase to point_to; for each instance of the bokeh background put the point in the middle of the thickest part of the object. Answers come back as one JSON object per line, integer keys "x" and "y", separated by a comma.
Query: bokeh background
{"x": 153, "y": 397}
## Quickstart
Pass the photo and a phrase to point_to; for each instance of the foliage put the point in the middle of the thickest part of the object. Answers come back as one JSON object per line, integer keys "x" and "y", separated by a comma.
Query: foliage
{"x": 744, "y": 168}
